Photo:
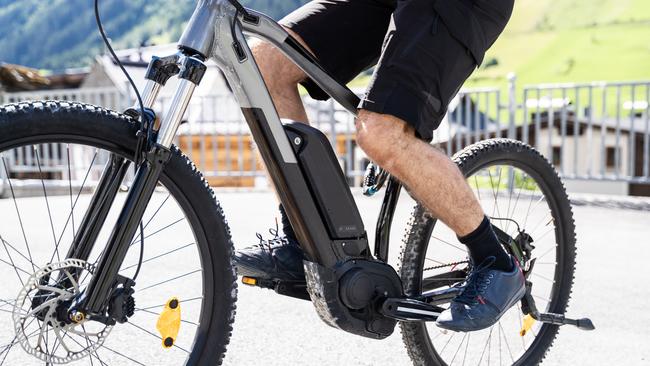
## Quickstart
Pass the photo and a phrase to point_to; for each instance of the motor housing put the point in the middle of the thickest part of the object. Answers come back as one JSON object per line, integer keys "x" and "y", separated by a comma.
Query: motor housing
{"x": 349, "y": 297}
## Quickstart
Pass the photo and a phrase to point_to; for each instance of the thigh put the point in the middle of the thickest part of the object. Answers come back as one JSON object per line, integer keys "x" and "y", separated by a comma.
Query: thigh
{"x": 345, "y": 35}
{"x": 425, "y": 61}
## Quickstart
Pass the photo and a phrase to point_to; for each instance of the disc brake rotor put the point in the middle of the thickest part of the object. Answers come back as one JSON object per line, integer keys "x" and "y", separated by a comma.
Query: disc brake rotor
{"x": 40, "y": 315}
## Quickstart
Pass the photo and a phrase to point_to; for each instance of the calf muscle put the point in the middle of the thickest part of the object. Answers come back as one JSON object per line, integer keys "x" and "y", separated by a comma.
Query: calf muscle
{"x": 431, "y": 177}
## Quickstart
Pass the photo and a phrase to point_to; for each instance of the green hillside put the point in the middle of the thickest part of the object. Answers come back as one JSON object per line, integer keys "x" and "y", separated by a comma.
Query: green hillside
{"x": 58, "y": 34}
{"x": 571, "y": 40}
{"x": 546, "y": 40}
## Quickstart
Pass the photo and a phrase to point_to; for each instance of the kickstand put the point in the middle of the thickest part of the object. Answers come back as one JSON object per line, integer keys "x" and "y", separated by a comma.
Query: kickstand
{"x": 528, "y": 307}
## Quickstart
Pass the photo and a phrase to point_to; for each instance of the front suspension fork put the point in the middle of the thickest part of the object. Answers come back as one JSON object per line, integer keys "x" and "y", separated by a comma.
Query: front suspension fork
{"x": 94, "y": 299}
{"x": 102, "y": 283}
{"x": 100, "y": 205}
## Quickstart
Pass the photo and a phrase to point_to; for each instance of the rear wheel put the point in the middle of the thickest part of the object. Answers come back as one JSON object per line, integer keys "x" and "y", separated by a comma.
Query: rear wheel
{"x": 52, "y": 154}
{"x": 521, "y": 191}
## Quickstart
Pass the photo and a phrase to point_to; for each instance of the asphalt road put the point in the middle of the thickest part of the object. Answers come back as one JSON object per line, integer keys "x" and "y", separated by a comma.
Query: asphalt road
{"x": 611, "y": 287}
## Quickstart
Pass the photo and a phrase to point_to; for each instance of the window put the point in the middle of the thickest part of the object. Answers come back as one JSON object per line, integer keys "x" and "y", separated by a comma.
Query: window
{"x": 557, "y": 156}
{"x": 611, "y": 153}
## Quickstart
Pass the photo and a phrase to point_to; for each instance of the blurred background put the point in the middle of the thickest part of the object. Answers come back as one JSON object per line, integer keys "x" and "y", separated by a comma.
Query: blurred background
{"x": 570, "y": 77}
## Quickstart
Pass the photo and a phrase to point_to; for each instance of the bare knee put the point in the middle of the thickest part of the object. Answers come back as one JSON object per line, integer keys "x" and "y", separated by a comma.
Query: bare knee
{"x": 382, "y": 137}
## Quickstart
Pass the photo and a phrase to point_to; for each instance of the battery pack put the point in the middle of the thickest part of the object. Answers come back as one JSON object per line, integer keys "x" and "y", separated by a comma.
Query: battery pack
{"x": 327, "y": 182}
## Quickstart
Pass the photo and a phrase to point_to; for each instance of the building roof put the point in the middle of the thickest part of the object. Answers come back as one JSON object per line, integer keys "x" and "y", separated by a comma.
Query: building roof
{"x": 136, "y": 60}
{"x": 16, "y": 78}
{"x": 625, "y": 124}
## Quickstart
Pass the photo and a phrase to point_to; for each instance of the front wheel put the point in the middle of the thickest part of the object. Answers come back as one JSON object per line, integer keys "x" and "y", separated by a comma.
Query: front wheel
{"x": 52, "y": 155}
{"x": 522, "y": 193}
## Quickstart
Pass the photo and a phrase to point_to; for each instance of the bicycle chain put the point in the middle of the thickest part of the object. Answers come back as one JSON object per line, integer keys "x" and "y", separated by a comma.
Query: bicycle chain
{"x": 445, "y": 265}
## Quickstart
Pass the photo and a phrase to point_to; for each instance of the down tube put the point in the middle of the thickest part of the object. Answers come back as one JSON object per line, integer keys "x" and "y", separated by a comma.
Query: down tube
{"x": 274, "y": 146}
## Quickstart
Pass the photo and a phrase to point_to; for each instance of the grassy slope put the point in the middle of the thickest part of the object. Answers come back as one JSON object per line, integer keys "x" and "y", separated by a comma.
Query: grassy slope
{"x": 572, "y": 40}
{"x": 569, "y": 41}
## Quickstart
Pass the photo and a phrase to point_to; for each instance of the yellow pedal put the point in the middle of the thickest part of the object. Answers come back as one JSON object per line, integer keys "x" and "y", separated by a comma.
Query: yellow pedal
{"x": 250, "y": 281}
{"x": 527, "y": 325}
{"x": 169, "y": 322}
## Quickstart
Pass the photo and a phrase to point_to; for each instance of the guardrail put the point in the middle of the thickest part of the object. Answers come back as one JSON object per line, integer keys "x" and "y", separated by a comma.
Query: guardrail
{"x": 590, "y": 131}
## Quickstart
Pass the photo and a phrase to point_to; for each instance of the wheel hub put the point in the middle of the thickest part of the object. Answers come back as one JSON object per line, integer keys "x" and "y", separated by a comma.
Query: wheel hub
{"x": 43, "y": 326}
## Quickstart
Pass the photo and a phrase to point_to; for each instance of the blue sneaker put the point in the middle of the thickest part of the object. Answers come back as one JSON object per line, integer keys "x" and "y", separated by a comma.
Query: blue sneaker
{"x": 486, "y": 295}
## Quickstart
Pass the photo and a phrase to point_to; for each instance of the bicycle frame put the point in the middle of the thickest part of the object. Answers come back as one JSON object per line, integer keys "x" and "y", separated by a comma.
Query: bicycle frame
{"x": 209, "y": 35}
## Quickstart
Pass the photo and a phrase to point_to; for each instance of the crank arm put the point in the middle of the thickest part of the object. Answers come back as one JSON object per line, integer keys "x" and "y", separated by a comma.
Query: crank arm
{"x": 437, "y": 297}
{"x": 443, "y": 280}
{"x": 410, "y": 310}
{"x": 295, "y": 289}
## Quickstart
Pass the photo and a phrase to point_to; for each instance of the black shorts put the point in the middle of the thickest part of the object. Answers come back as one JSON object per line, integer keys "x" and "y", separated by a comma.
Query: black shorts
{"x": 424, "y": 49}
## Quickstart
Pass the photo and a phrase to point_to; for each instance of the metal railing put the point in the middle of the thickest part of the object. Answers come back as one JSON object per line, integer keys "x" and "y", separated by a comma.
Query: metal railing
{"x": 594, "y": 131}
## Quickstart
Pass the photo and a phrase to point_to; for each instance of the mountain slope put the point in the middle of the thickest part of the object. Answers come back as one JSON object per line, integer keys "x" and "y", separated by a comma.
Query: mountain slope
{"x": 57, "y": 34}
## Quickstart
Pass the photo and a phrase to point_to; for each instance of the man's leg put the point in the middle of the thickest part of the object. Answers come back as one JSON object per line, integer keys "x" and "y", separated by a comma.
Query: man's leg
{"x": 282, "y": 77}
{"x": 423, "y": 64}
{"x": 430, "y": 175}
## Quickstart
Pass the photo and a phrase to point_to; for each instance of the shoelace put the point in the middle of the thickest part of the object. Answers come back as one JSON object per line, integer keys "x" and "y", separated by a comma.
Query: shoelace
{"x": 476, "y": 283}
{"x": 275, "y": 242}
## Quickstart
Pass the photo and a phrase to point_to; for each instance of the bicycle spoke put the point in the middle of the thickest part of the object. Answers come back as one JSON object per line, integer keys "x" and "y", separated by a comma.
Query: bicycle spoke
{"x": 161, "y": 305}
{"x": 499, "y": 329}
{"x": 47, "y": 201}
{"x": 121, "y": 354}
{"x": 160, "y": 230}
{"x": 20, "y": 220}
{"x": 478, "y": 189}
{"x": 169, "y": 280}
{"x": 151, "y": 218}
{"x": 155, "y": 336}
{"x": 542, "y": 277}
{"x": 459, "y": 347}
{"x": 158, "y": 314}
{"x": 67, "y": 149}
{"x": 466, "y": 347}
{"x": 521, "y": 326}
{"x": 487, "y": 343}
{"x": 507, "y": 344}
{"x": 71, "y": 214}
{"x": 541, "y": 298}
{"x": 446, "y": 344}
{"x": 159, "y": 256}
{"x": 495, "y": 193}
{"x": 539, "y": 238}
{"x": 88, "y": 343}
{"x": 450, "y": 244}
{"x": 531, "y": 207}
{"x": 551, "y": 249}
{"x": 514, "y": 208}
{"x": 15, "y": 250}
{"x": 544, "y": 222}
{"x": 435, "y": 261}
{"x": 7, "y": 349}
{"x": 12, "y": 264}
